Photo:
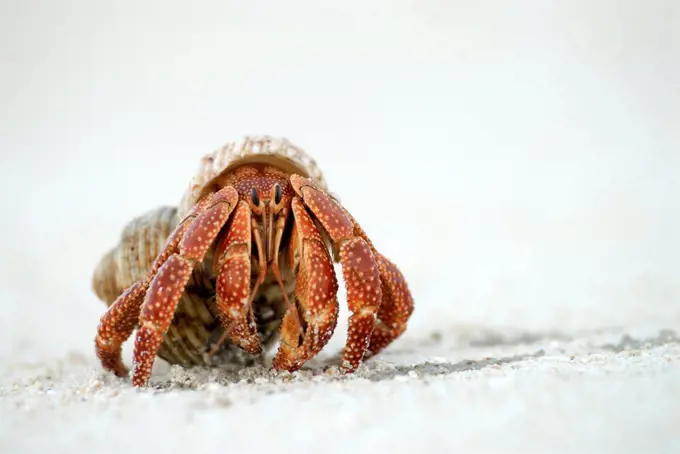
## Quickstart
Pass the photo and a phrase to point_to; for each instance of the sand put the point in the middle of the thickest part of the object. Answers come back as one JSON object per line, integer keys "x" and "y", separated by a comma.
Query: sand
{"x": 461, "y": 389}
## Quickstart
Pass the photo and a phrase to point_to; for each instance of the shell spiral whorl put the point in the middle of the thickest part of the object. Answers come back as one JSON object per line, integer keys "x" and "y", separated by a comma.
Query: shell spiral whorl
{"x": 140, "y": 242}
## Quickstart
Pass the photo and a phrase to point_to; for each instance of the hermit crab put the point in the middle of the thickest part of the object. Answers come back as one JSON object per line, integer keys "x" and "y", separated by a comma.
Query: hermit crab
{"x": 246, "y": 259}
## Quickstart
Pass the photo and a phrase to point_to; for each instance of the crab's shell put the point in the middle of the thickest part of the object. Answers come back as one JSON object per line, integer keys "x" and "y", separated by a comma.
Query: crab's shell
{"x": 195, "y": 325}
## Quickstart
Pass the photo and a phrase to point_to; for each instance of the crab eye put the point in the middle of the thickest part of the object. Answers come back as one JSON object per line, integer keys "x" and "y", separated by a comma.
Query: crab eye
{"x": 256, "y": 199}
{"x": 277, "y": 194}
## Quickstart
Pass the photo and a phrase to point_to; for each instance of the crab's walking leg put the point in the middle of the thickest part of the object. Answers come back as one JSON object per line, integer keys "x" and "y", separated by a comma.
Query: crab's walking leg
{"x": 305, "y": 333}
{"x": 397, "y": 302}
{"x": 168, "y": 284}
{"x": 396, "y": 307}
{"x": 117, "y": 324}
{"x": 359, "y": 267}
{"x": 364, "y": 295}
{"x": 233, "y": 282}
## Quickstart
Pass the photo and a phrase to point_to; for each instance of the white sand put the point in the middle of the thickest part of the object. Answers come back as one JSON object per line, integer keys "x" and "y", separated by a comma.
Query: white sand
{"x": 460, "y": 390}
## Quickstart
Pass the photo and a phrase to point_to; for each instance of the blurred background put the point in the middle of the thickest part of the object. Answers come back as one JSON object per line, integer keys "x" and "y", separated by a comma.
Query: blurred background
{"x": 519, "y": 161}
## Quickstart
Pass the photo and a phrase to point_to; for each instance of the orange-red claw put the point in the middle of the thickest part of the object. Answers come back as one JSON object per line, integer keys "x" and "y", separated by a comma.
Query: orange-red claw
{"x": 359, "y": 265}
{"x": 316, "y": 297}
{"x": 396, "y": 307}
{"x": 233, "y": 282}
{"x": 168, "y": 283}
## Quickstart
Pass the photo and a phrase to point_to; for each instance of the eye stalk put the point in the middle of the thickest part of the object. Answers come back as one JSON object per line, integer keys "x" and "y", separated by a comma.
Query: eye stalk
{"x": 255, "y": 197}
{"x": 277, "y": 194}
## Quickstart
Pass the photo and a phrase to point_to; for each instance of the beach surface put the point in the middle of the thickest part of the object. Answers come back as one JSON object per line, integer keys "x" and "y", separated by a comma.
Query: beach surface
{"x": 460, "y": 389}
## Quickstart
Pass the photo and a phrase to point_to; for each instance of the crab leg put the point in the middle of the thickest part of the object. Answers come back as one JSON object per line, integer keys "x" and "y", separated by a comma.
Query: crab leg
{"x": 370, "y": 279}
{"x": 233, "y": 282}
{"x": 364, "y": 295}
{"x": 397, "y": 303}
{"x": 309, "y": 324}
{"x": 359, "y": 267}
{"x": 168, "y": 284}
{"x": 117, "y": 324}
{"x": 396, "y": 307}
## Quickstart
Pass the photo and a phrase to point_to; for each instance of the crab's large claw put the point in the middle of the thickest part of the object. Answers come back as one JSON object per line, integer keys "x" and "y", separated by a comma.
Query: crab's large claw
{"x": 309, "y": 323}
{"x": 233, "y": 282}
{"x": 377, "y": 294}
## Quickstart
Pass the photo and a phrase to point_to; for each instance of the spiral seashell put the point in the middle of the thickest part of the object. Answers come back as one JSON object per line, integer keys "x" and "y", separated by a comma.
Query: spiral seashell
{"x": 140, "y": 242}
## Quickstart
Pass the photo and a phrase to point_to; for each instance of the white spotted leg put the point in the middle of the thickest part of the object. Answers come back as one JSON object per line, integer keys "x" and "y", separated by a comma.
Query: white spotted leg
{"x": 168, "y": 283}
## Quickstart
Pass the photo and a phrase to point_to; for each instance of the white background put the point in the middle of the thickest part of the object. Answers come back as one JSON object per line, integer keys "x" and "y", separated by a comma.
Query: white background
{"x": 518, "y": 160}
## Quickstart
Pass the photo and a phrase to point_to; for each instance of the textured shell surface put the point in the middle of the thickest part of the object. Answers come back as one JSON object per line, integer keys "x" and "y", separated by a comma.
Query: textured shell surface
{"x": 196, "y": 326}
